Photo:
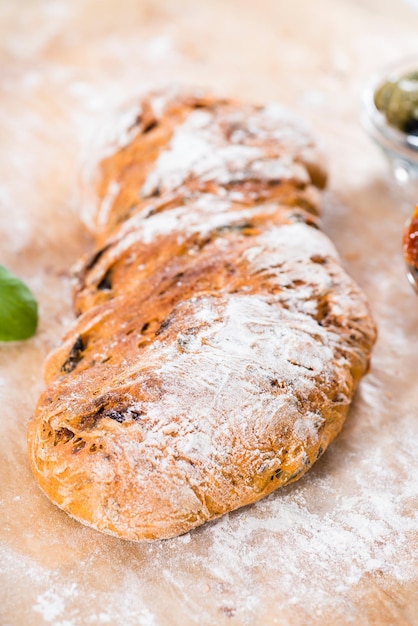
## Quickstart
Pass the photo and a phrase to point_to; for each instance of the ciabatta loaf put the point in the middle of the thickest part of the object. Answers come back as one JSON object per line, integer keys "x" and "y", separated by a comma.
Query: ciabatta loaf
{"x": 218, "y": 342}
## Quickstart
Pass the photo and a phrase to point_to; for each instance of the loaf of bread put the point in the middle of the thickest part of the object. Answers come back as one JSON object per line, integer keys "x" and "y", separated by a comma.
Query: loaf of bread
{"x": 218, "y": 342}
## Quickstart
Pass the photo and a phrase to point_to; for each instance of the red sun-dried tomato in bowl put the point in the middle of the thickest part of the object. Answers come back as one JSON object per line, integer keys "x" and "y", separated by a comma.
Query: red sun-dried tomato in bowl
{"x": 410, "y": 248}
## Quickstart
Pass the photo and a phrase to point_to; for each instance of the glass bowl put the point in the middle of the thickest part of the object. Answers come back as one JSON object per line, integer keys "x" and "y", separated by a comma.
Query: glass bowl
{"x": 400, "y": 148}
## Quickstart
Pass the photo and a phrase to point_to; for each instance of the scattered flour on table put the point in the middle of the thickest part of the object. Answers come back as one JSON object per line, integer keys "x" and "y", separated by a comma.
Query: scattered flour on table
{"x": 57, "y": 598}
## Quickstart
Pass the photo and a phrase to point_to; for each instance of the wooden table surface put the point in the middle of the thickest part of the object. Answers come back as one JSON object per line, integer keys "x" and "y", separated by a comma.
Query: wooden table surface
{"x": 338, "y": 547}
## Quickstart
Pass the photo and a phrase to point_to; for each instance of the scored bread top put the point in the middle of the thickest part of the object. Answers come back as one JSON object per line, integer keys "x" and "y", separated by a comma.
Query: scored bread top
{"x": 218, "y": 342}
{"x": 180, "y": 145}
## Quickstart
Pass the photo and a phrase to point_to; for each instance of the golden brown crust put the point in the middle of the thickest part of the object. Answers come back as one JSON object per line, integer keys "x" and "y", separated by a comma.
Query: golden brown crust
{"x": 218, "y": 343}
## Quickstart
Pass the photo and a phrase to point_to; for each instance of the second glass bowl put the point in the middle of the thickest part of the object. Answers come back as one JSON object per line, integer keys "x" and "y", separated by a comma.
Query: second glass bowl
{"x": 400, "y": 148}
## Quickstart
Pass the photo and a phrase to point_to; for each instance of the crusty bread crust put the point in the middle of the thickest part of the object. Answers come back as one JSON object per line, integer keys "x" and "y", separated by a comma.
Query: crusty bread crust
{"x": 219, "y": 342}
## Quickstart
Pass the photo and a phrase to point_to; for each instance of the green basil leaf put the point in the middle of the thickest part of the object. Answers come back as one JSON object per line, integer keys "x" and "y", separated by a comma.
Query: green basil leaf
{"x": 18, "y": 308}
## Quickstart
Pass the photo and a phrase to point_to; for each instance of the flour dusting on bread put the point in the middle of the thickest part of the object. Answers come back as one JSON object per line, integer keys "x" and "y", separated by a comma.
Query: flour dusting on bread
{"x": 218, "y": 342}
